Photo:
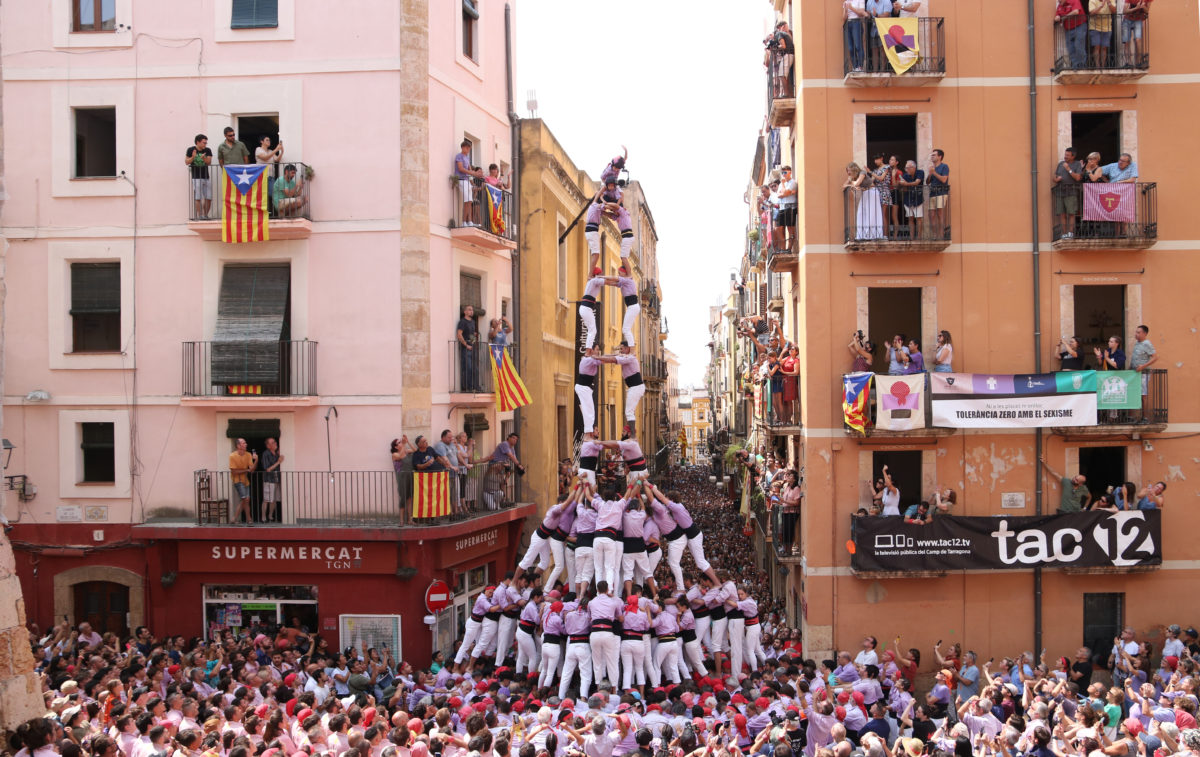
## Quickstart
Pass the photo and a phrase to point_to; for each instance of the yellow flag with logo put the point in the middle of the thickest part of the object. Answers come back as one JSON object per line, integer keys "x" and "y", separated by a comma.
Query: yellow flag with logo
{"x": 899, "y": 39}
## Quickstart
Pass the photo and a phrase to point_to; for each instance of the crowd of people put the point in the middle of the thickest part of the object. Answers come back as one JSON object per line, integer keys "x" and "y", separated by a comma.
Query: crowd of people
{"x": 898, "y": 201}
{"x": 1102, "y": 33}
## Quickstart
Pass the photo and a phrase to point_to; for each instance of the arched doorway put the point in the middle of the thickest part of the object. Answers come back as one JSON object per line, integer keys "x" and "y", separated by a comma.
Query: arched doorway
{"x": 70, "y": 585}
{"x": 104, "y": 605}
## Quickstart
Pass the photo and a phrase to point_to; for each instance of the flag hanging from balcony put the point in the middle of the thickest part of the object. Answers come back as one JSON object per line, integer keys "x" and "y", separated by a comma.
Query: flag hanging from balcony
{"x": 245, "y": 217}
{"x": 244, "y": 388}
{"x": 899, "y": 37}
{"x": 510, "y": 389}
{"x": 1110, "y": 202}
{"x": 901, "y": 402}
{"x": 431, "y": 494}
{"x": 856, "y": 389}
{"x": 493, "y": 197}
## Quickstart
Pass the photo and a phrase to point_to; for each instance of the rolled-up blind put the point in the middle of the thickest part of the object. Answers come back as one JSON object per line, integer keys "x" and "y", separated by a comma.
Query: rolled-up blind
{"x": 95, "y": 288}
{"x": 251, "y": 312}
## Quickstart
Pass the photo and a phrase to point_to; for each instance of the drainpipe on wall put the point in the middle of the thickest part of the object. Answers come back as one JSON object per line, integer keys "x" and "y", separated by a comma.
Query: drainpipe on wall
{"x": 515, "y": 172}
{"x": 1037, "y": 302}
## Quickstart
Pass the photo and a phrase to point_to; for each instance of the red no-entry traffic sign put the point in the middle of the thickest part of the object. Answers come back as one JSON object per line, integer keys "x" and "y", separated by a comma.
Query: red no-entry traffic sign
{"x": 437, "y": 596}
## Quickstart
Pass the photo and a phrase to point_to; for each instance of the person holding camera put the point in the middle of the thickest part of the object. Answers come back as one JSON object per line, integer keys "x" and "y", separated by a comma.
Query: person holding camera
{"x": 862, "y": 349}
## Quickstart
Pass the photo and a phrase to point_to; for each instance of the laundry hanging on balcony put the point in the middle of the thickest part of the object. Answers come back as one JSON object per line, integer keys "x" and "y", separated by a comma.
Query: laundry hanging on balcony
{"x": 899, "y": 36}
{"x": 245, "y": 216}
{"x": 510, "y": 389}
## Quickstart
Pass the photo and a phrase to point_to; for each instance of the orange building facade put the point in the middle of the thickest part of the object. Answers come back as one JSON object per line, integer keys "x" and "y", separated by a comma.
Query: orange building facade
{"x": 1002, "y": 270}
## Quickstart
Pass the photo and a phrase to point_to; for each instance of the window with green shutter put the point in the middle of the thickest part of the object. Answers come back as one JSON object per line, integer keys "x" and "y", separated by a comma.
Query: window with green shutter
{"x": 255, "y": 14}
{"x": 95, "y": 307}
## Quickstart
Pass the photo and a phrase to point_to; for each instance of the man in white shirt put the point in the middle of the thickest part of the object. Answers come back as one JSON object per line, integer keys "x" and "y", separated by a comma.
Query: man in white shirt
{"x": 867, "y": 656}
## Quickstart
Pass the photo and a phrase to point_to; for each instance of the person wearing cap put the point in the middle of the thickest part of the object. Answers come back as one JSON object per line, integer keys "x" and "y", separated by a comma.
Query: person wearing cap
{"x": 634, "y": 623}
{"x": 605, "y": 611}
{"x": 609, "y": 202}
{"x": 474, "y": 630}
{"x": 576, "y": 624}
{"x": 527, "y": 627}
{"x": 635, "y": 387}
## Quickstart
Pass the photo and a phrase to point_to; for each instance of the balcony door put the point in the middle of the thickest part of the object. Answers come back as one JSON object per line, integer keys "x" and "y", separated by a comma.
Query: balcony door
{"x": 892, "y": 310}
{"x": 1099, "y": 314}
{"x": 1103, "y": 467}
{"x": 1096, "y": 132}
{"x": 255, "y": 431}
{"x": 904, "y": 466}
{"x": 104, "y": 605}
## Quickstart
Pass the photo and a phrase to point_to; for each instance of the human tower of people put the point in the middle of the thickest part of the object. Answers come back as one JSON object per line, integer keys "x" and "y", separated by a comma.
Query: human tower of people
{"x": 599, "y": 612}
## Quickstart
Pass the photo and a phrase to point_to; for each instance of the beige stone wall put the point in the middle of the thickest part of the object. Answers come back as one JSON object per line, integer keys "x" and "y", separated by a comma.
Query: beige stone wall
{"x": 20, "y": 690}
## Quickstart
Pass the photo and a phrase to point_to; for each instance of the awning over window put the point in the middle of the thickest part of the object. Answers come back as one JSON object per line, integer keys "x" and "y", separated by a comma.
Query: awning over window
{"x": 251, "y": 317}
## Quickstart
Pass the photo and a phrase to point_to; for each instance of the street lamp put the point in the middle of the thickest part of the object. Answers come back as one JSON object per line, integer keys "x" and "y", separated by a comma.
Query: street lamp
{"x": 8, "y": 449}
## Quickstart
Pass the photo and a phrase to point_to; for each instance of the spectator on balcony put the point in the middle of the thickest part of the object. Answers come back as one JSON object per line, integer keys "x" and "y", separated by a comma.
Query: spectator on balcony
{"x": 918, "y": 514}
{"x": 1075, "y": 494}
{"x": 787, "y": 208}
{"x": 882, "y": 172}
{"x": 506, "y": 454}
{"x": 425, "y": 459}
{"x": 890, "y": 497}
{"x": 868, "y": 214}
{"x": 466, "y": 174}
{"x": 916, "y": 361}
{"x": 913, "y": 198}
{"x": 464, "y": 448}
{"x": 1124, "y": 171}
{"x": 1136, "y": 13}
{"x": 241, "y": 465}
{"x": 232, "y": 151}
{"x": 938, "y": 180}
{"x": 1070, "y": 14}
{"x": 906, "y": 8}
{"x": 199, "y": 158}
{"x": 777, "y": 237}
{"x": 288, "y": 193}
{"x": 265, "y": 154}
{"x": 790, "y": 496}
{"x": 898, "y": 356}
{"x": 863, "y": 351}
{"x": 943, "y": 353}
{"x": 500, "y": 331}
{"x": 271, "y": 460}
{"x": 447, "y": 453}
{"x": 791, "y": 378}
{"x": 1111, "y": 358}
{"x": 1067, "y": 175}
{"x": 781, "y": 50}
{"x": 774, "y": 376}
{"x": 467, "y": 337}
{"x": 876, "y": 9}
{"x": 1144, "y": 356}
{"x": 1100, "y": 26}
{"x": 1124, "y": 496}
{"x": 1068, "y": 353}
{"x": 494, "y": 178}
{"x": 1093, "y": 172}
{"x": 855, "y": 18}
{"x": 402, "y": 465}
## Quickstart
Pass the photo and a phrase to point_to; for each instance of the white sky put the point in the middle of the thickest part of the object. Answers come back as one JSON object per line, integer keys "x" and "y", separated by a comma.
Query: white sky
{"x": 683, "y": 87}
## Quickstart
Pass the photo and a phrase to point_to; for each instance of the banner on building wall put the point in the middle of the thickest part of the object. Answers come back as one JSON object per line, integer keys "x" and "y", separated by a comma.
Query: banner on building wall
{"x": 1118, "y": 390}
{"x": 1110, "y": 202}
{"x": 856, "y": 390}
{"x": 900, "y": 402}
{"x": 899, "y": 37}
{"x": 1035, "y": 400}
{"x": 1073, "y": 540}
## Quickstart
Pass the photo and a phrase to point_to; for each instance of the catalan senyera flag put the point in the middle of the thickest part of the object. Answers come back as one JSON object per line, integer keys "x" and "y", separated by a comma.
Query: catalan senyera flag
{"x": 494, "y": 199}
{"x": 244, "y": 388}
{"x": 899, "y": 38}
{"x": 245, "y": 217}
{"x": 510, "y": 389}
{"x": 856, "y": 390}
{"x": 431, "y": 494}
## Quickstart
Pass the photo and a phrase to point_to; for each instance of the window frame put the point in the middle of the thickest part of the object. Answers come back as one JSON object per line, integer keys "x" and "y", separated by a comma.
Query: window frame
{"x": 470, "y": 31}
{"x": 96, "y": 445}
{"x": 233, "y": 15}
{"x": 75, "y": 174}
{"x": 83, "y": 315}
{"x": 97, "y": 18}
{"x": 70, "y": 439}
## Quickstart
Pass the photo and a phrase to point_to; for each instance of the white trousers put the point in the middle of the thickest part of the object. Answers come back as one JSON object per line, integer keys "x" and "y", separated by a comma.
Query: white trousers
{"x": 629, "y": 325}
{"x": 527, "y": 652}
{"x": 633, "y": 395}
{"x": 588, "y": 316}
{"x": 538, "y": 552}
{"x": 717, "y": 637}
{"x": 587, "y": 407}
{"x": 703, "y": 625}
{"x": 470, "y": 636}
{"x": 585, "y": 565}
{"x": 606, "y": 554}
{"x": 626, "y": 246}
{"x": 696, "y": 546}
{"x": 487, "y": 639}
{"x": 675, "y": 549}
{"x": 737, "y": 645}
{"x": 653, "y": 557}
{"x": 593, "y": 243}
{"x": 632, "y": 564}
{"x": 652, "y": 673}
{"x": 695, "y": 656}
{"x": 504, "y": 638}
{"x": 558, "y": 552}
{"x": 681, "y": 659}
{"x": 754, "y": 651}
{"x": 606, "y": 656}
{"x": 551, "y": 657}
{"x": 633, "y": 662}
{"x": 579, "y": 657}
{"x": 667, "y": 660}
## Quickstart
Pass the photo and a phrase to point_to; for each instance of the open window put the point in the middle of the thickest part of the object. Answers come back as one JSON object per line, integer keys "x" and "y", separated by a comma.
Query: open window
{"x": 892, "y": 135}
{"x": 1103, "y": 467}
{"x": 252, "y": 127}
{"x": 95, "y": 143}
{"x": 1096, "y": 132}
{"x": 1099, "y": 314}
{"x": 904, "y": 466}
{"x": 97, "y": 443}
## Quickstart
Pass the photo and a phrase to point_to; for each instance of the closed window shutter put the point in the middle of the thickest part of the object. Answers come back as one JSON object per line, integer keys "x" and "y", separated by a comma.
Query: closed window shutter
{"x": 255, "y": 14}
{"x": 470, "y": 290}
{"x": 95, "y": 288}
{"x": 251, "y": 318}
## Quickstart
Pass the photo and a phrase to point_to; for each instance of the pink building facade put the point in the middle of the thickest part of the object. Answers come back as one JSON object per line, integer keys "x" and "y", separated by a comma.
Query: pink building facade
{"x": 131, "y": 329}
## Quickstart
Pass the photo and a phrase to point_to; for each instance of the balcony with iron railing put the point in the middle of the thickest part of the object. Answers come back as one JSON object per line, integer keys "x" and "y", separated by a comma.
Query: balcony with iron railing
{"x": 905, "y": 219}
{"x": 648, "y": 292}
{"x": 289, "y": 203}
{"x": 654, "y": 369}
{"x": 778, "y": 414}
{"x": 776, "y": 292}
{"x": 482, "y": 215}
{"x": 361, "y": 498}
{"x": 1098, "y": 216}
{"x": 1106, "y": 48}
{"x": 781, "y": 87}
{"x": 472, "y": 371}
{"x": 249, "y": 372}
{"x": 865, "y": 62}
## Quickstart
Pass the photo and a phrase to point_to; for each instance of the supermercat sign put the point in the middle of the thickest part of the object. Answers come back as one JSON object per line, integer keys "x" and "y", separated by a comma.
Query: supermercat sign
{"x": 287, "y": 557}
{"x": 1071, "y": 540}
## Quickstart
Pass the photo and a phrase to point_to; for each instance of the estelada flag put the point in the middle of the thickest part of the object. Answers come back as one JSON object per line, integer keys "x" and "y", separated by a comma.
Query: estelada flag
{"x": 856, "y": 389}
{"x": 899, "y": 37}
{"x": 494, "y": 199}
{"x": 245, "y": 218}
{"x": 510, "y": 389}
{"x": 431, "y": 494}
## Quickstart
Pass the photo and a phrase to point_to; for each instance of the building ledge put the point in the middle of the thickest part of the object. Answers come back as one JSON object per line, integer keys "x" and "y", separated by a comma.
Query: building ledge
{"x": 1110, "y": 570}
{"x": 886, "y": 245}
{"x": 776, "y": 304}
{"x": 1124, "y": 430}
{"x": 886, "y": 574}
{"x": 782, "y": 429}
{"x": 1099, "y": 75}
{"x": 249, "y": 402}
{"x": 916, "y": 433}
{"x": 472, "y": 398}
{"x": 782, "y": 261}
{"x": 1118, "y": 243}
{"x": 475, "y": 235}
{"x": 279, "y": 229}
{"x": 889, "y": 79}
{"x": 783, "y": 111}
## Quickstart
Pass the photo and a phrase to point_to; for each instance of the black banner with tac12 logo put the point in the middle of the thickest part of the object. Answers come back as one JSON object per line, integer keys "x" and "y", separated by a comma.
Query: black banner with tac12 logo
{"x": 1071, "y": 540}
